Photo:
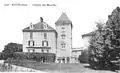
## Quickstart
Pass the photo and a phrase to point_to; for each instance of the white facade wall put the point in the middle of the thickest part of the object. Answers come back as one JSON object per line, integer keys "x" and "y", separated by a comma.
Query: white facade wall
{"x": 64, "y": 52}
{"x": 38, "y": 37}
{"x": 86, "y": 40}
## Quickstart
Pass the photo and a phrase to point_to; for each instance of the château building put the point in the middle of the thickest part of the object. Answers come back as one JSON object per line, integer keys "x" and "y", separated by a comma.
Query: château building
{"x": 42, "y": 38}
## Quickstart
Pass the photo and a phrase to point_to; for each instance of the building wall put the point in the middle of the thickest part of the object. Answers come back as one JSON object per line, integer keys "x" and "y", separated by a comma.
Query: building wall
{"x": 76, "y": 53}
{"x": 66, "y": 52}
{"x": 38, "y": 37}
{"x": 86, "y": 40}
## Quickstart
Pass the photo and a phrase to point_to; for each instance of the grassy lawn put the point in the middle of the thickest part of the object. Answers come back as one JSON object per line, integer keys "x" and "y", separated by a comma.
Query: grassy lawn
{"x": 53, "y": 67}
{"x": 58, "y": 68}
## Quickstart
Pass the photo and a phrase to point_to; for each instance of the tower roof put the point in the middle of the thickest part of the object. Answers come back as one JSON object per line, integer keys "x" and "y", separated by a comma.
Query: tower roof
{"x": 63, "y": 18}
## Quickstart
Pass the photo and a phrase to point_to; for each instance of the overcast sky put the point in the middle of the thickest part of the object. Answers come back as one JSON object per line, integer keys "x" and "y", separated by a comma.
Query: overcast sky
{"x": 82, "y": 13}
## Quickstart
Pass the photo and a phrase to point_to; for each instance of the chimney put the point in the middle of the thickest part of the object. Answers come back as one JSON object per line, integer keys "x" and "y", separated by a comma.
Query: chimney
{"x": 41, "y": 19}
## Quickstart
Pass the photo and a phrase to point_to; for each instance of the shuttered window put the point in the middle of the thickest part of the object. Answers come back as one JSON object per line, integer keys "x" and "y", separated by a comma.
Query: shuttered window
{"x": 44, "y": 43}
{"x": 31, "y": 43}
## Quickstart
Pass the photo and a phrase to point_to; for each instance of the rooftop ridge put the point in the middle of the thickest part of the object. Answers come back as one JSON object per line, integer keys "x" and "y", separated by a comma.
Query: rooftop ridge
{"x": 64, "y": 17}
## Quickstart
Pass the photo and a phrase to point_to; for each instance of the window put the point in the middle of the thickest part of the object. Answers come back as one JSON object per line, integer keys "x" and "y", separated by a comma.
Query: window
{"x": 62, "y": 31}
{"x": 47, "y": 50}
{"x": 31, "y": 26}
{"x": 42, "y": 50}
{"x": 33, "y": 50}
{"x": 31, "y": 35}
{"x": 63, "y": 45}
{"x": 28, "y": 50}
{"x": 63, "y": 36}
{"x": 63, "y": 27}
{"x": 45, "y": 26}
{"x": 45, "y": 35}
{"x": 44, "y": 43}
{"x": 31, "y": 43}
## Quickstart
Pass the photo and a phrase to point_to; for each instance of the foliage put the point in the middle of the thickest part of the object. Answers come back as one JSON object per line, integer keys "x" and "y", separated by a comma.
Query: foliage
{"x": 43, "y": 57}
{"x": 9, "y": 50}
{"x": 5, "y": 67}
{"x": 4, "y": 56}
{"x": 12, "y": 47}
{"x": 83, "y": 58}
{"x": 104, "y": 46}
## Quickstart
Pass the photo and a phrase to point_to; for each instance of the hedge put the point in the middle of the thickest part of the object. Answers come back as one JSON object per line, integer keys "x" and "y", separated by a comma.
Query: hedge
{"x": 45, "y": 57}
{"x": 83, "y": 58}
{"x": 4, "y": 56}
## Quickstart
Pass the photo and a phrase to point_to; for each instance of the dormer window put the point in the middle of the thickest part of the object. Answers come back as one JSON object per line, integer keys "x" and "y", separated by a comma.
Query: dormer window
{"x": 45, "y": 26}
{"x": 31, "y": 26}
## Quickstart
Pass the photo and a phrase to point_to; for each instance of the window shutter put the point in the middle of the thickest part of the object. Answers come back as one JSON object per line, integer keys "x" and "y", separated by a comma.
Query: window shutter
{"x": 42, "y": 43}
{"x": 47, "y": 43}
{"x": 33, "y": 43}
{"x": 29, "y": 43}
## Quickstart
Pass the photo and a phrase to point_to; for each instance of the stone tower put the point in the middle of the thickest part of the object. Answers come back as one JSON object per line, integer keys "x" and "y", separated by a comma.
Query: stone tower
{"x": 64, "y": 39}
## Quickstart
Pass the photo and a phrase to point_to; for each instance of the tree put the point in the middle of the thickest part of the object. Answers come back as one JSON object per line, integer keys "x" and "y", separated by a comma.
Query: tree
{"x": 96, "y": 47}
{"x": 105, "y": 44}
{"x": 9, "y": 50}
{"x": 12, "y": 47}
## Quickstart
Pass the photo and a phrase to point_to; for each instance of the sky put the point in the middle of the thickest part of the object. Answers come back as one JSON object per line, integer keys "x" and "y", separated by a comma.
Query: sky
{"x": 82, "y": 13}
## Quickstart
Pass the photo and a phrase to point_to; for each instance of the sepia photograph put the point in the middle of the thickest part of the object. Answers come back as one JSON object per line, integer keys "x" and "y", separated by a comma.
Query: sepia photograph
{"x": 60, "y": 36}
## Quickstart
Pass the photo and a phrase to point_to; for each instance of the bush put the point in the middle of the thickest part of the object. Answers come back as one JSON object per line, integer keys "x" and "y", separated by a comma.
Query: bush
{"x": 83, "y": 58}
{"x": 45, "y": 57}
{"x": 4, "y": 56}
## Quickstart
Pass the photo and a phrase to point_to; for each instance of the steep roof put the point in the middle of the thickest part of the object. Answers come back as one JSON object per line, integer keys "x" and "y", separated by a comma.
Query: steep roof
{"x": 39, "y": 27}
{"x": 63, "y": 18}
